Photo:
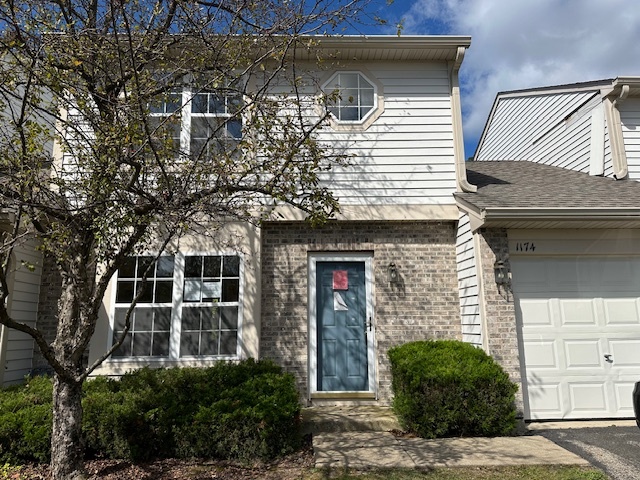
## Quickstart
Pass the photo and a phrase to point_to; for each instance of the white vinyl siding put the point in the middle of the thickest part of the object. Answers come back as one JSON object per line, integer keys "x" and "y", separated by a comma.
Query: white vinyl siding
{"x": 406, "y": 156}
{"x": 630, "y": 119}
{"x": 23, "y": 307}
{"x": 554, "y": 129}
{"x": 468, "y": 283}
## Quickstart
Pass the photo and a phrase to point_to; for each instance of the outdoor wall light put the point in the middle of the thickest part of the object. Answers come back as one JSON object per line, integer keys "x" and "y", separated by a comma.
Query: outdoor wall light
{"x": 392, "y": 273}
{"x": 501, "y": 273}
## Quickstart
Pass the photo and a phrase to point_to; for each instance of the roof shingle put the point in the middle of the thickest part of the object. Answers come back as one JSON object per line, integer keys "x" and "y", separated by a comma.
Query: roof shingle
{"x": 521, "y": 184}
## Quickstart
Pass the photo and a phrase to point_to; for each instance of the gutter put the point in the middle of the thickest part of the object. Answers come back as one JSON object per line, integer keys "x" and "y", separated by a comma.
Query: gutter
{"x": 390, "y": 41}
{"x": 480, "y": 217}
{"x": 456, "y": 111}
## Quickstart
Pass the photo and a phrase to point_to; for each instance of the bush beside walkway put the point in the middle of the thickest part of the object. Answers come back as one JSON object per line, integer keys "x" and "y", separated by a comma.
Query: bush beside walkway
{"x": 243, "y": 410}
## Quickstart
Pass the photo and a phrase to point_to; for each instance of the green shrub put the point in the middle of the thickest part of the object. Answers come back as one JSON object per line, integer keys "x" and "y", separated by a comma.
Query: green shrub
{"x": 25, "y": 422}
{"x": 447, "y": 388}
{"x": 256, "y": 418}
{"x": 231, "y": 410}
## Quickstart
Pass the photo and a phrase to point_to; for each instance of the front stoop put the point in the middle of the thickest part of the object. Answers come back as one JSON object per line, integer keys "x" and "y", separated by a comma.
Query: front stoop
{"x": 348, "y": 419}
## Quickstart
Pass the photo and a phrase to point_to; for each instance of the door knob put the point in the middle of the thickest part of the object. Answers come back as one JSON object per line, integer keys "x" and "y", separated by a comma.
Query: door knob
{"x": 608, "y": 357}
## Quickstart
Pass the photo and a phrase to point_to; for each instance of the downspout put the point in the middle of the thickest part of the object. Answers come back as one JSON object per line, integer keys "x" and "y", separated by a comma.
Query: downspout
{"x": 462, "y": 184}
{"x": 618, "y": 153}
{"x": 481, "y": 299}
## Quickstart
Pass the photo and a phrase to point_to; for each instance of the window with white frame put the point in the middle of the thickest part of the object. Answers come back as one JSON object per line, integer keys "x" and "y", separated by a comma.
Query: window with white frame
{"x": 353, "y": 96}
{"x": 190, "y": 306}
{"x": 211, "y": 120}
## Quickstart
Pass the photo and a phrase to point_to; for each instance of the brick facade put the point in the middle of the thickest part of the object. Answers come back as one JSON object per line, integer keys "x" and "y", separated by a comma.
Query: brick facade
{"x": 501, "y": 330}
{"x": 423, "y": 305}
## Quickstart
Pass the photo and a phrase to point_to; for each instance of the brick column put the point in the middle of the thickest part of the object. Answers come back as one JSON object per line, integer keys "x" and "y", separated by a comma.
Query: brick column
{"x": 499, "y": 307}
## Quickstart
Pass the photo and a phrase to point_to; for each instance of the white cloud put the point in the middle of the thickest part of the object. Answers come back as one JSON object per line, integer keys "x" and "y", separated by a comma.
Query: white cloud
{"x": 529, "y": 43}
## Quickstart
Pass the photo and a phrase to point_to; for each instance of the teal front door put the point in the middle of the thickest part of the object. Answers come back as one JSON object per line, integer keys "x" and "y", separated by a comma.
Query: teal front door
{"x": 342, "y": 327}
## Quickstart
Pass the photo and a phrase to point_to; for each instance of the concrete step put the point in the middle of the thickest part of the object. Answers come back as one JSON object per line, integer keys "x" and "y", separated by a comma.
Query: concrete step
{"x": 348, "y": 419}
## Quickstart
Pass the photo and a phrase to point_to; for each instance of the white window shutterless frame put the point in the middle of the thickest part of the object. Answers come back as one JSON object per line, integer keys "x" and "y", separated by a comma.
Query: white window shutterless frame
{"x": 219, "y": 308}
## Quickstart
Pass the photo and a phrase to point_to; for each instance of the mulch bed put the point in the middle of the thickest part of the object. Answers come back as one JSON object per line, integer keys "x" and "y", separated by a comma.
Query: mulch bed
{"x": 288, "y": 468}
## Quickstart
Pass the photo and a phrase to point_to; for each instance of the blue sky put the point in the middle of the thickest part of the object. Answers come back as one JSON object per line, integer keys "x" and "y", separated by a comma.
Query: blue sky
{"x": 519, "y": 44}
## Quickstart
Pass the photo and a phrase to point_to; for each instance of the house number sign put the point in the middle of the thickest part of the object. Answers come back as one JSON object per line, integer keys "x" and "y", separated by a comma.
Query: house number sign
{"x": 525, "y": 247}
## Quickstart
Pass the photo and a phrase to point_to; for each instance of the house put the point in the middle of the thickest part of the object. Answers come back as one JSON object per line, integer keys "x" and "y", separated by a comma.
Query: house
{"x": 557, "y": 210}
{"x": 530, "y": 252}
{"x": 325, "y": 303}
{"x": 25, "y": 273}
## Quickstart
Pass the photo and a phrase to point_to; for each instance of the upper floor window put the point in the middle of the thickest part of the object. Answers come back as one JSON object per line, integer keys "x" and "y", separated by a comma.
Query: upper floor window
{"x": 214, "y": 122}
{"x": 355, "y": 100}
{"x": 198, "y": 122}
{"x": 355, "y": 96}
{"x": 189, "y": 306}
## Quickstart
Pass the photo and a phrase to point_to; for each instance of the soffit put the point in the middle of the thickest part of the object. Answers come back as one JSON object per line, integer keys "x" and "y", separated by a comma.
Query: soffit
{"x": 385, "y": 48}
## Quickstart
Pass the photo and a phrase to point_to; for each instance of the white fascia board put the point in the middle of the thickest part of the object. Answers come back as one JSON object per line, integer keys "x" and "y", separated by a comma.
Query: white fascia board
{"x": 634, "y": 82}
{"x": 516, "y": 213}
{"x": 439, "y": 48}
{"x": 393, "y": 41}
{"x": 479, "y": 217}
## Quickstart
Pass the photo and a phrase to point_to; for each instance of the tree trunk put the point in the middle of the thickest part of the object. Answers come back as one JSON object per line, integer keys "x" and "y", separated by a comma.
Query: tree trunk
{"x": 67, "y": 456}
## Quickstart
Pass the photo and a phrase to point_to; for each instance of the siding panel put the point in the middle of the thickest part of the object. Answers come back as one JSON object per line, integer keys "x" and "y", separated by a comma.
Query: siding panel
{"x": 554, "y": 129}
{"x": 406, "y": 156}
{"x": 23, "y": 306}
{"x": 468, "y": 283}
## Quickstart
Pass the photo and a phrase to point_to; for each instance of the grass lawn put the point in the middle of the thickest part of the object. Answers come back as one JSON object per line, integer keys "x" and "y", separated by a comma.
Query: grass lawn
{"x": 184, "y": 470}
{"x": 470, "y": 473}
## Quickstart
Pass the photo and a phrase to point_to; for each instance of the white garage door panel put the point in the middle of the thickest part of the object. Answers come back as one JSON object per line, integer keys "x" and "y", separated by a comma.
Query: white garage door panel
{"x": 579, "y": 327}
{"x": 621, "y": 311}
{"x": 581, "y": 354}
{"x": 624, "y": 397}
{"x": 546, "y": 400}
{"x": 587, "y": 398}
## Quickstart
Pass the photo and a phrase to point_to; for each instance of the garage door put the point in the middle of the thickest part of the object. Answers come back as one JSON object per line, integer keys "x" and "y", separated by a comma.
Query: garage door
{"x": 579, "y": 328}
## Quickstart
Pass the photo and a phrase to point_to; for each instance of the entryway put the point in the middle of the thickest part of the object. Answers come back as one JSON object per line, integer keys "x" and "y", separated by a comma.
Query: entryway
{"x": 341, "y": 326}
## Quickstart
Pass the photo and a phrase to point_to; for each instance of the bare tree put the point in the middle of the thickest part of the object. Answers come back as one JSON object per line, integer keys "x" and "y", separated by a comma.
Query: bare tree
{"x": 104, "y": 84}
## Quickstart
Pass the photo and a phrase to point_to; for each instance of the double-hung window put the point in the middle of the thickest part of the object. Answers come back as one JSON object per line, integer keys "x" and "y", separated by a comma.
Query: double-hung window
{"x": 199, "y": 123}
{"x": 190, "y": 306}
{"x": 215, "y": 125}
{"x": 166, "y": 119}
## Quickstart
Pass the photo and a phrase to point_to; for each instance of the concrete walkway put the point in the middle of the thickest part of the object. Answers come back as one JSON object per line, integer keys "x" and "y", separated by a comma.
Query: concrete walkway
{"x": 384, "y": 450}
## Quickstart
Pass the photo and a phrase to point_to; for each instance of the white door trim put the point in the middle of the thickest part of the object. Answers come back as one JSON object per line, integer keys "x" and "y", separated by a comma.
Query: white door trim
{"x": 313, "y": 259}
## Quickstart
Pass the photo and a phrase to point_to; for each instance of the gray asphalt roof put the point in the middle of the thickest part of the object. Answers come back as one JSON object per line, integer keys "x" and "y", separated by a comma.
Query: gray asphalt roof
{"x": 520, "y": 184}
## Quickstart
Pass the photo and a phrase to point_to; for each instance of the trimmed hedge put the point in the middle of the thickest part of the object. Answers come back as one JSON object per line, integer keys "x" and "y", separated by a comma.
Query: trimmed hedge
{"x": 240, "y": 410}
{"x": 447, "y": 388}
{"x": 244, "y": 410}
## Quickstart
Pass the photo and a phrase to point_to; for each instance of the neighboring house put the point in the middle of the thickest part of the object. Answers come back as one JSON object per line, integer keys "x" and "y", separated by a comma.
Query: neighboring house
{"x": 568, "y": 323}
{"x": 16, "y": 348}
{"x": 325, "y": 303}
{"x": 24, "y": 274}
